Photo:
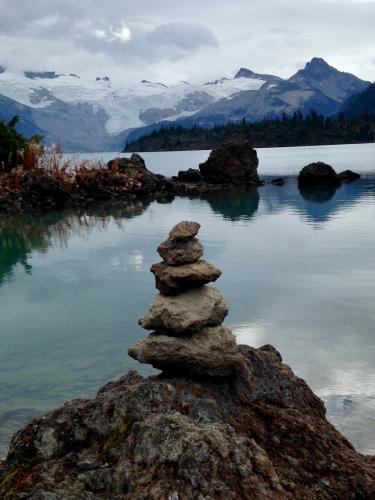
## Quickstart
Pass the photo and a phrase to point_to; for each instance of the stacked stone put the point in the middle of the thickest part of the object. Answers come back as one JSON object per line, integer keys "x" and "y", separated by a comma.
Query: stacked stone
{"x": 186, "y": 317}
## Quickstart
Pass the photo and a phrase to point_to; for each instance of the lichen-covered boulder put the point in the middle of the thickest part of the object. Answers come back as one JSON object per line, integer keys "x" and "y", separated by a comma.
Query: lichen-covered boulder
{"x": 187, "y": 312}
{"x": 260, "y": 435}
{"x": 231, "y": 163}
{"x": 172, "y": 280}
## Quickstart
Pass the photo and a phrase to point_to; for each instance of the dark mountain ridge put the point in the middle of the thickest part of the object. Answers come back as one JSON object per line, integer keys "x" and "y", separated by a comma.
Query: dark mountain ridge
{"x": 361, "y": 103}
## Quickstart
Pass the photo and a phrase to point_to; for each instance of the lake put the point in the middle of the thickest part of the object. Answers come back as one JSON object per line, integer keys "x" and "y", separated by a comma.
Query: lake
{"x": 298, "y": 273}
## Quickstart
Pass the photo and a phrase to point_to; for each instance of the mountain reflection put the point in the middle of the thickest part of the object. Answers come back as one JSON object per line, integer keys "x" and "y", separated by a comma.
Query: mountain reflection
{"x": 318, "y": 194}
{"x": 22, "y": 234}
{"x": 316, "y": 205}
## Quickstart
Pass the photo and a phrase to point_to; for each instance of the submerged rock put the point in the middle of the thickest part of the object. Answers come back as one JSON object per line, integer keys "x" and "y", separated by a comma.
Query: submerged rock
{"x": 318, "y": 174}
{"x": 187, "y": 312}
{"x": 280, "y": 181}
{"x": 231, "y": 163}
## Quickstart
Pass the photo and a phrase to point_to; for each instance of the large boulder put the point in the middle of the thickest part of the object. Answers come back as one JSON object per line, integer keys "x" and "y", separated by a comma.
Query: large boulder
{"x": 231, "y": 163}
{"x": 261, "y": 435}
{"x": 171, "y": 280}
{"x": 210, "y": 352}
{"x": 318, "y": 174}
{"x": 187, "y": 312}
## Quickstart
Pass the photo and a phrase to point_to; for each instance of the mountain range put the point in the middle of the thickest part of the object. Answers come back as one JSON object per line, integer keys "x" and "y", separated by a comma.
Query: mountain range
{"x": 99, "y": 115}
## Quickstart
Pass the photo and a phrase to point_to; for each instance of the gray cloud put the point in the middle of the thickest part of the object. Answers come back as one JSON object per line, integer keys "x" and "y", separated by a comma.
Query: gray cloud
{"x": 171, "y": 40}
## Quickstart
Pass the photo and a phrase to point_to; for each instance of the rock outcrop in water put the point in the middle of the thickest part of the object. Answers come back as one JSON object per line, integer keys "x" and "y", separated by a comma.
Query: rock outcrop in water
{"x": 220, "y": 422}
{"x": 232, "y": 163}
{"x": 320, "y": 174}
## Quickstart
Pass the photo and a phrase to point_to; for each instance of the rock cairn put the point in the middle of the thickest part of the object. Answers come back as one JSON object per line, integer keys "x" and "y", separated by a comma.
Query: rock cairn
{"x": 186, "y": 317}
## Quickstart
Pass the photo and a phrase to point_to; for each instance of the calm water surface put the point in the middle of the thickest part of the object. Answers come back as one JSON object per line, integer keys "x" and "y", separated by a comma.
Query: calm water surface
{"x": 298, "y": 272}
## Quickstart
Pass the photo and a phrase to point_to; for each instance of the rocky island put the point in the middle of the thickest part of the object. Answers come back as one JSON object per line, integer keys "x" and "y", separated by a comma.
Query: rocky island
{"x": 221, "y": 420}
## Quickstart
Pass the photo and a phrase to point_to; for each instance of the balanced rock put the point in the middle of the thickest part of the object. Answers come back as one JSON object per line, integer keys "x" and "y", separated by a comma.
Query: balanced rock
{"x": 187, "y": 315}
{"x": 187, "y": 312}
{"x": 177, "y": 252}
{"x": 184, "y": 230}
{"x": 171, "y": 280}
{"x": 212, "y": 351}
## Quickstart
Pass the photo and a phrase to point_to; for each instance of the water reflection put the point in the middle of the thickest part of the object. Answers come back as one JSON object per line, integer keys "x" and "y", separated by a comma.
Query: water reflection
{"x": 22, "y": 234}
{"x": 234, "y": 205}
{"x": 65, "y": 329}
{"x": 316, "y": 194}
{"x": 318, "y": 205}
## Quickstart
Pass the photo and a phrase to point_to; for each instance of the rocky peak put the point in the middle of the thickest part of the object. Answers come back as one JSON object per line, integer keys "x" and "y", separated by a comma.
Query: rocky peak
{"x": 2, "y": 69}
{"x": 318, "y": 69}
{"x": 245, "y": 73}
{"x": 337, "y": 85}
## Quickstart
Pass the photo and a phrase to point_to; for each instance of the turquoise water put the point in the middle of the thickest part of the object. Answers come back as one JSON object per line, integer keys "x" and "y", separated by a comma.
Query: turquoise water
{"x": 298, "y": 272}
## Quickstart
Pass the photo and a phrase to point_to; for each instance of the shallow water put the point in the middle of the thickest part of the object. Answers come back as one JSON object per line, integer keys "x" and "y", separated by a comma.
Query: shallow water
{"x": 298, "y": 272}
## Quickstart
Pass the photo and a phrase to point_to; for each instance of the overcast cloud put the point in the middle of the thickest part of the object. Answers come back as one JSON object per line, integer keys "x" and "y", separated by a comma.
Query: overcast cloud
{"x": 196, "y": 40}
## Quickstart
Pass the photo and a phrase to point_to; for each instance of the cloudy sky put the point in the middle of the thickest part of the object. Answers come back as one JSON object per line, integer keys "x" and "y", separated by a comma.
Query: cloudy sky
{"x": 196, "y": 40}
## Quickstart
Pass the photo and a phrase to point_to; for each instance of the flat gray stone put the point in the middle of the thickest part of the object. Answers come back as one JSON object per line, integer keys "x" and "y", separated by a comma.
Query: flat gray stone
{"x": 187, "y": 312}
{"x": 184, "y": 230}
{"x": 180, "y": 252}
{"x": 171, "y": 280}
{"x": 209, "y": 352}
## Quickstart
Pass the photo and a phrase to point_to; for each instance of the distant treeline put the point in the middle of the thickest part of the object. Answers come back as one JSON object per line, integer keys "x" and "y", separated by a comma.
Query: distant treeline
{"x": 288, "y": 130}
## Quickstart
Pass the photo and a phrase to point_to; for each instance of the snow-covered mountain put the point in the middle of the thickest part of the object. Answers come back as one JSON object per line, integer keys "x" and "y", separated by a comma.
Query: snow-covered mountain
{"x": 98, "y": 114}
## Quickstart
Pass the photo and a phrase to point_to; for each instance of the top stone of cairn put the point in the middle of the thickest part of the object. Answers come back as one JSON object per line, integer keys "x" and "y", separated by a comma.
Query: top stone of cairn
{"x": 184, "y": 230}
{"x": 182, "y": 247}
